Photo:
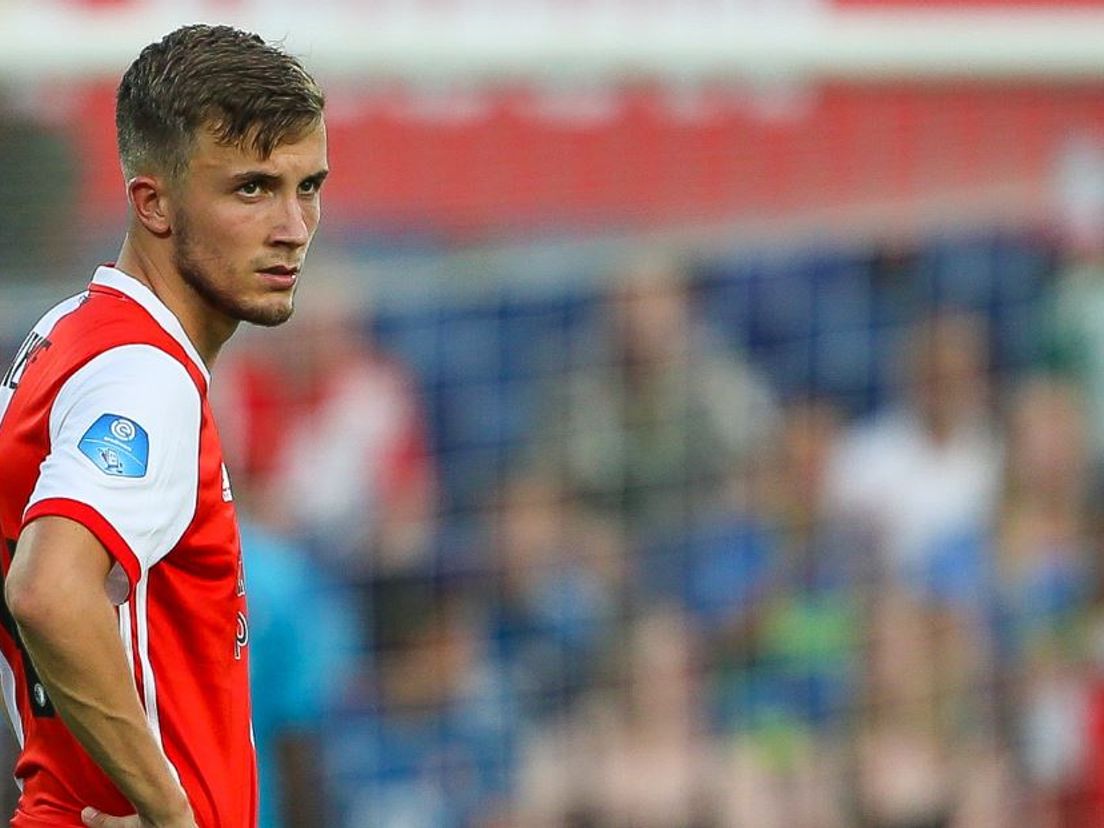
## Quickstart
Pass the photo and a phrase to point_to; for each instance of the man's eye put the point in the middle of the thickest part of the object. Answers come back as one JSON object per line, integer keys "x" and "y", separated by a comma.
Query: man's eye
{"x": 308, "y": 187}
{"x": 250, "y": 188}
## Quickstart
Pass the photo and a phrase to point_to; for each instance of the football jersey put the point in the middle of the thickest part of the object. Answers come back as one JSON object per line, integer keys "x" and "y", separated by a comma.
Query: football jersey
{"x": 104, "y": 420}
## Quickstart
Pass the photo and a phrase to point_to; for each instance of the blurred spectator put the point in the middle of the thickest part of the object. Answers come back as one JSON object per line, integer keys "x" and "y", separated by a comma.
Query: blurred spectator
{"x": 923, "y": 482}
{"x": 635, "y": 754}
{"x": 926, "y": 753}
{"x": 923, "y": 479}
{"x": 658, "y": 415}
{"x": 784, "y": 673}
{"x": 1044, "y": 590}
{"x": 302, "y": 641}
{"x": 1076, "y": 342}
{"x": 559, "y": 578}
{"x": 331, "y": 437}
{"x": 1075, "y": 338}
{"x": 439, "y": 748}
{"x": 904, "y": 751}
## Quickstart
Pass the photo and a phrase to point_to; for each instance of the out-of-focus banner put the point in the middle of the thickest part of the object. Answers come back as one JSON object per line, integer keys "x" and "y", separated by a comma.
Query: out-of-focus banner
{"x": 465, "y": 162}
{"x": 462, "y": 117}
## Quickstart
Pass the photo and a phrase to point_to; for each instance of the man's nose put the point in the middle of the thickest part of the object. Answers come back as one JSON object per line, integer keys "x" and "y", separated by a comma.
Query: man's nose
{"x": 293, "y": 226}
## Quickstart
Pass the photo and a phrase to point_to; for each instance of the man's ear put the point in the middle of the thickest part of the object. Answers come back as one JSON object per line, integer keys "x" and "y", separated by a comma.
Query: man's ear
{"x": 148, "y": 196}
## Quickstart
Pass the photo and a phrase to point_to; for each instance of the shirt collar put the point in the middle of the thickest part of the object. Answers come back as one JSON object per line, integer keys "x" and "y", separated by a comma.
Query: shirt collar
{"x": 115, "y": 279}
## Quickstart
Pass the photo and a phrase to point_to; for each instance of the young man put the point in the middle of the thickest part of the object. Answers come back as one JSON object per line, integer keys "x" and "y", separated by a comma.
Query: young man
{"x": 125, "y": 633}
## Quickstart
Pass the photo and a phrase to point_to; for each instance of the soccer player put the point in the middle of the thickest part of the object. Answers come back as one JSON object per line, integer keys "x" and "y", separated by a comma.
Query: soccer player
{"x": 125, "y": 634}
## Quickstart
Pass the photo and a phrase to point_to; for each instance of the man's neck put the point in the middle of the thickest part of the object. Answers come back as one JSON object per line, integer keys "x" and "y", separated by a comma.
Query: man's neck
{"x": 207, "y": 330}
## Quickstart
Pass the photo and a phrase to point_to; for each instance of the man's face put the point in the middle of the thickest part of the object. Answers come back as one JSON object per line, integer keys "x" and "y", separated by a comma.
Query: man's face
{"x": 242, "y": 224}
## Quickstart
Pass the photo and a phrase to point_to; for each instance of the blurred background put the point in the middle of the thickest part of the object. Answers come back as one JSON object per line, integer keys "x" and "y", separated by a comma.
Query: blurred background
{"x": 693, "y": 416}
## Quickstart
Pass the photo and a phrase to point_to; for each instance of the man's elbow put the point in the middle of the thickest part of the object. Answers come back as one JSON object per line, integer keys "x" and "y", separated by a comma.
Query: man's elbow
{"x": 28, "y": 599}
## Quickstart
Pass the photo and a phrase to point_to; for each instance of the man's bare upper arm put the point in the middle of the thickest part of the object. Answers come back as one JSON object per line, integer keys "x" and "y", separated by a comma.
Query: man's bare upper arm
{"x": 53, "y": 556}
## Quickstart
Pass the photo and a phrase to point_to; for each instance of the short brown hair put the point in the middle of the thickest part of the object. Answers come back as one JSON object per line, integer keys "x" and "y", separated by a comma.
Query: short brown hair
{"x": 247, "y": 92}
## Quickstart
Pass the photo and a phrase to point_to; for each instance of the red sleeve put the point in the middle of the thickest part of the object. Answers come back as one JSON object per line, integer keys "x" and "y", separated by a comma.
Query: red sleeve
{"x": 95, "y": 523}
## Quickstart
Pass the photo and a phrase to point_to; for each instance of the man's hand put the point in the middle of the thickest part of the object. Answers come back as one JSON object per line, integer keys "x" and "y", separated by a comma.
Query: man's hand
{"x": 94, "y": 819}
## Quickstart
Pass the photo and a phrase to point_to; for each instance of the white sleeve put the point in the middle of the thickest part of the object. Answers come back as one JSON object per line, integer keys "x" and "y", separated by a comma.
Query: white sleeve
{"x": 124, "y": 455}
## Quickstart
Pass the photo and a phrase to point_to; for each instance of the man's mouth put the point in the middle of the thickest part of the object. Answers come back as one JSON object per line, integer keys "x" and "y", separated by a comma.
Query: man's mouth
{"x": 280, "y": 270}
{"x": 282, "y": 277}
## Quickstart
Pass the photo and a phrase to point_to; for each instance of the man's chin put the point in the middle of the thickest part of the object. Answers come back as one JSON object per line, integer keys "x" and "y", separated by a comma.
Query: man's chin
{"x": 268, "y": 317}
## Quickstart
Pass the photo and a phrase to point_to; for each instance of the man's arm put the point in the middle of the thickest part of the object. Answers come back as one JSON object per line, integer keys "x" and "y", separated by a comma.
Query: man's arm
{"x": 56, "y": 592}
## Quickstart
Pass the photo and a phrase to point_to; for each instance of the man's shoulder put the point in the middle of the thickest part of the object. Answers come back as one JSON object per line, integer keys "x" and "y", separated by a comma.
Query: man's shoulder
{"x": 101, "y": 350}
{"x": 96, "y": 322}
{"x": 103, "y": 315}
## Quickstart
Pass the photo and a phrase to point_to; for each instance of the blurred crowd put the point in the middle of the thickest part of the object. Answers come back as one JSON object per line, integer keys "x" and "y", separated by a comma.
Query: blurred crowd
{"x": 693, "y": 593}
{"x": 798, "y": 539}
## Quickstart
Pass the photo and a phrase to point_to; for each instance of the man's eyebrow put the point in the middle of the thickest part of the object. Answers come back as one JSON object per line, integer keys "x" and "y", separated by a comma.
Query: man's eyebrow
{"x": 254, "y": 176}
{"x": 261, "y": 177}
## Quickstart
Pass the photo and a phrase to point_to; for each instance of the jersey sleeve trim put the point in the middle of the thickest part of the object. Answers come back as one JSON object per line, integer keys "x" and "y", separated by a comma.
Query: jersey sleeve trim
{"x": 144, "y": 483}
{"x": 95, "y": 523}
